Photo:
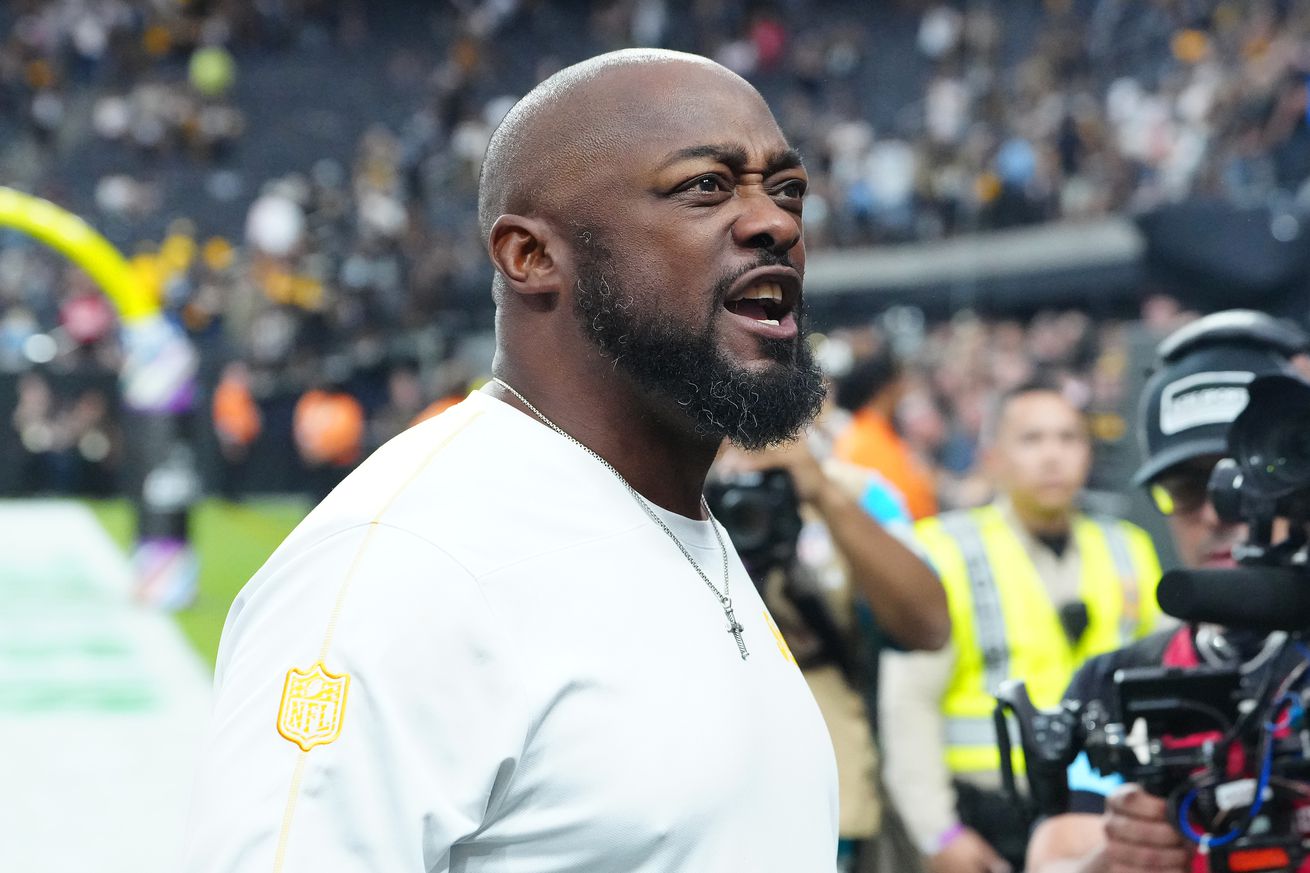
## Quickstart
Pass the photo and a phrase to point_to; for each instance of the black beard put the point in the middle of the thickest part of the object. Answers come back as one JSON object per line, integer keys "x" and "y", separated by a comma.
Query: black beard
{"x": 754, "y": 410}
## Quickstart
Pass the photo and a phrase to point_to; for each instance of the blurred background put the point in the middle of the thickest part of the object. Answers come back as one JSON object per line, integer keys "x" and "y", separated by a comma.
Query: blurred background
{"x": 998, "y": 190}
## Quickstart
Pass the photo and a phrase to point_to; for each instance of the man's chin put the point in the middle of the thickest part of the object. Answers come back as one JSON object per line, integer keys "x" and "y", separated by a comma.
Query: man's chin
{"x": 1049, "y": 509}
{"x": 770, "y": 378}
{"x": 753, "y": 390}
{"x": 764, "y": 367}
{"x": 763, "y": 355}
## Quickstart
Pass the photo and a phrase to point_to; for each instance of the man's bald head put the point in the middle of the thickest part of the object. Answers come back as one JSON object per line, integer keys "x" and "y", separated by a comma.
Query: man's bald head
{"x": 582, "y": 115}
{"x": 627, "y": 201}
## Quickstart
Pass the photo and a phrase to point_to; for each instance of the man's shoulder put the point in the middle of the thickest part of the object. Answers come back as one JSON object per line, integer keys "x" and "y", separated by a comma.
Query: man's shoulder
{"x": 444, "y": 460}
{"x": 1093, "y": 679}
{"x": 1148, "y": 651}
{"x": 480, "y": 482}
{"x": 1112, "y": 522}
{"x": 952, "y": 520}
{"x": 959, "y": 529}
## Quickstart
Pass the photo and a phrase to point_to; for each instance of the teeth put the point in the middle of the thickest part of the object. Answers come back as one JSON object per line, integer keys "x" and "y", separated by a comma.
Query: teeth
{"x": 772, "y": 321}
{"x": 764, "y": 291}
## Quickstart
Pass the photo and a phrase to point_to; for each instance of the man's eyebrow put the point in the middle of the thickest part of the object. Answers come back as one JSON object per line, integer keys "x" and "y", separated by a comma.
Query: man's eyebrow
{"x": 735, "y": 157}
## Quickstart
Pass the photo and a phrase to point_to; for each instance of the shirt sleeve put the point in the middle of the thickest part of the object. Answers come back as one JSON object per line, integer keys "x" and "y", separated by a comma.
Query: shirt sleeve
{"x": 911, "y": 686}
{"x": 427, "y": 731}
{"x": 1089, "y": 787}
{"x": 881, "y": 500}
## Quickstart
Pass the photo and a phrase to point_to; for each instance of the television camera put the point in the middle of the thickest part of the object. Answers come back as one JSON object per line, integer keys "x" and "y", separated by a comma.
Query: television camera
{"x": 1228, "y": 747}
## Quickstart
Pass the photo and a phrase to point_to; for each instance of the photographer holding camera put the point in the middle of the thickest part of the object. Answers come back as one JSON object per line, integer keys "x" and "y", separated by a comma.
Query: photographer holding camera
{"x": 803, "y": 532}
{"x": 1035, "y": 587}
{"x": 1187, "y": 407}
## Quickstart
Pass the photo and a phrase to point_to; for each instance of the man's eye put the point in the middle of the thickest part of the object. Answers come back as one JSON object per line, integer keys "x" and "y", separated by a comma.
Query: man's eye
{"x": 793, "y": 189}
{"x": 706, "y": 185}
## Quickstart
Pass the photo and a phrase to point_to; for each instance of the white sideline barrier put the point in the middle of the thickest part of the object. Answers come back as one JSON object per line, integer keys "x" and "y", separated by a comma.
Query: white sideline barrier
{"x": 102, "y": 703}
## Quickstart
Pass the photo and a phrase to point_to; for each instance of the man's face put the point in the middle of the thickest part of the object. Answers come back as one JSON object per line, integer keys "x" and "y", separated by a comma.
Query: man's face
{"x": 1042, "y": 453}
{"x": 1201, "y": 537}
{"x": 689, "y": 266}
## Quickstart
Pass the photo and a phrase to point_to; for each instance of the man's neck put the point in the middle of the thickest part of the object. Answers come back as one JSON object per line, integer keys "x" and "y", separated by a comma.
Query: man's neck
{"x": 665, "y": 463}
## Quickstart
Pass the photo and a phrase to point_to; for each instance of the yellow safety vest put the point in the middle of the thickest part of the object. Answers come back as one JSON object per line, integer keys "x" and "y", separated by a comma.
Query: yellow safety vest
{"x": 1005, "y": 626}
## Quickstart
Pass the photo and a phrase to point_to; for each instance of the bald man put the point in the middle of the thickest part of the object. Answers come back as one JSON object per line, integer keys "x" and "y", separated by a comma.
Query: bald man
{"x": 514, "y": 639}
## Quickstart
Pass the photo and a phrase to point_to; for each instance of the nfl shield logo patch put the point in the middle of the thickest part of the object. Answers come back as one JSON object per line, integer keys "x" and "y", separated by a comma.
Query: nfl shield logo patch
{"x": 313, "y": 705}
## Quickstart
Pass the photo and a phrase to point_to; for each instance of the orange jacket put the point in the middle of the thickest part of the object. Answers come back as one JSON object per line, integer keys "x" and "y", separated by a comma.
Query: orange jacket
{"x": 872, "y": 442}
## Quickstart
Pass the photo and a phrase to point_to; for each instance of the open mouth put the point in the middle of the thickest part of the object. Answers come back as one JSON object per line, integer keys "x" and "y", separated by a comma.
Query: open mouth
{"x": 763, "y": 302}
{"x": 767, "y": 297}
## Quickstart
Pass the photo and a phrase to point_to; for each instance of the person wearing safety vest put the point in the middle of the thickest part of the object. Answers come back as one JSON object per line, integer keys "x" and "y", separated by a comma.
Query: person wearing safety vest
{"x": 1197, "y": 391}
{"x": 1035, "y": 587}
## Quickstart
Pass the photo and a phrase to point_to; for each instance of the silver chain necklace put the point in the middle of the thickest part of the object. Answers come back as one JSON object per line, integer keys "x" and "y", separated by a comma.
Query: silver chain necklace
{"x": 734, "y": 626}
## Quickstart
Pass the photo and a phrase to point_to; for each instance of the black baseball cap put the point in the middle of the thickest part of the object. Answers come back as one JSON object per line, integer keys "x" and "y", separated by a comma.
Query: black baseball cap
{"x": 1201, "y": 382}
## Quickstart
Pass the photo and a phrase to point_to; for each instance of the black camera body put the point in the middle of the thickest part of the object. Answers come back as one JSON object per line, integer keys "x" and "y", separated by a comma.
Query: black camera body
{"x": 1123, "y": 735}
{"x": 761, "y": 514}
{"x": 1148, "y": 744}
{"x": 1228, "y": 747}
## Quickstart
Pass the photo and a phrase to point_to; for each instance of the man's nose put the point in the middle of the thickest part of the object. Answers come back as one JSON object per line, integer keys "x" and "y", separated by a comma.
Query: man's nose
{"x": 763, "y": 224}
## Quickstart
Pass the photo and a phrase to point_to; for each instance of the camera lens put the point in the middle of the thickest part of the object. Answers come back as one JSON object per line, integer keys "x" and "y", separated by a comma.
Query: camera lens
{"x": 1271, "y": 438}
{"x": 1281, "y": 455}
{"x": 1225, "y": 490}
{"x": 746, "y": 517}
{"x": 759, "y": 511}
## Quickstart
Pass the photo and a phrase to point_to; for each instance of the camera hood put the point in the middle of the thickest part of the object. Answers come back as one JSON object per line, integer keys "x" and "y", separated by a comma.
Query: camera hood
{"x": 1270, "y": 440}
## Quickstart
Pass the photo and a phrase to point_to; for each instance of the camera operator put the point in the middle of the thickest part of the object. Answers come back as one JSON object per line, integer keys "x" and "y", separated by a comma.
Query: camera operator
{"x": 810, "y": 576}
{"x": 1035, "y": 587}
{"x": 1187, "y": 407}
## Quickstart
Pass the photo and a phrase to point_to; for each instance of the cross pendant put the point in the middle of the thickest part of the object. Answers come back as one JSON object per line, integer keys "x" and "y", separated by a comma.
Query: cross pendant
{"x": 734, "y": 627}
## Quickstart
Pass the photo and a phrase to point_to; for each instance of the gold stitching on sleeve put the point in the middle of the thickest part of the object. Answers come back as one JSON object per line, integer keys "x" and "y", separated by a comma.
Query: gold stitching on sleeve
{"x": 313, "y": 714}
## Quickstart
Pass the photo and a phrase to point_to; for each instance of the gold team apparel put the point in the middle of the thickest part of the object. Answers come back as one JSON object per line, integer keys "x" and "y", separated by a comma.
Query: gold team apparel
{"x": 313, "y": 706}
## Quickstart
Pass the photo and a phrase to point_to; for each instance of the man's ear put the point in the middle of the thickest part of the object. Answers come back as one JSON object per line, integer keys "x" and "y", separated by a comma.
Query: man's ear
{"x": 527, "y": 253}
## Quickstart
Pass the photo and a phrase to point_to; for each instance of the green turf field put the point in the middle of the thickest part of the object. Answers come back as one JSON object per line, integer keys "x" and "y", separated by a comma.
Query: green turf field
{"x": 232, "y": 539}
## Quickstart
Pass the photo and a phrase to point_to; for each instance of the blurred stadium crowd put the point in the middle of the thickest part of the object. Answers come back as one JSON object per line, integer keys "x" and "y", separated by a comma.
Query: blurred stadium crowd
{"x": 297, "y": 178}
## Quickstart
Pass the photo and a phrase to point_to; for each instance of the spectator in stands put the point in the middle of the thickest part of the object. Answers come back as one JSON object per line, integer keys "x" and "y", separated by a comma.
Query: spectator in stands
{"x": 1091, "y": 108}
{"x": 329, "y": 434}
{"x": 237, "y": 424}
{"x": 404, "y": 403}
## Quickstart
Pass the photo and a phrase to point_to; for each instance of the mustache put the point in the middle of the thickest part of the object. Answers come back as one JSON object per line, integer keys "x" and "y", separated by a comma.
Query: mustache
{"x": 766, "y": 258}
